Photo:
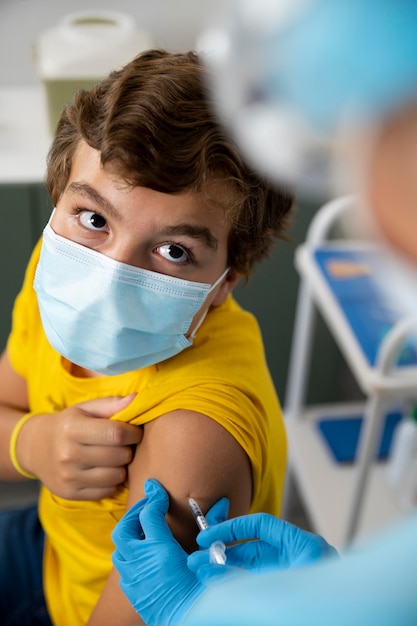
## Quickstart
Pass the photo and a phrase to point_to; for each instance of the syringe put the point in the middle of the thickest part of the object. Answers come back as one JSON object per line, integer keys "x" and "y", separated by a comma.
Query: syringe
{"x": 217, "y": 549}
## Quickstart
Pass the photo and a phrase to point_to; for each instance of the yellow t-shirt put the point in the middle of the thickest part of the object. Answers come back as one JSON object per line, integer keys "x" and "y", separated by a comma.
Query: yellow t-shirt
{"x": 222, "y": 375}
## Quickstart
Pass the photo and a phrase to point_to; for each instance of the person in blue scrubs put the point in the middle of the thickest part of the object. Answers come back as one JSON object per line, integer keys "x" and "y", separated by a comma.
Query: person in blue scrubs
{"x": 343, "y": 57}
{"x": 289, "y": 577}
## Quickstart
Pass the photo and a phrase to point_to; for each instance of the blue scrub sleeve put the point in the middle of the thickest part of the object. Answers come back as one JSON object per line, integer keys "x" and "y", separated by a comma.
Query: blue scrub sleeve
{"x": 362, "y": 55}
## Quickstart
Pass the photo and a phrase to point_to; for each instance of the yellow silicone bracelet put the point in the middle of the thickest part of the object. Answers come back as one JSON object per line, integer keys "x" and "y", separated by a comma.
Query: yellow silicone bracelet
{"x": 13, "y": 445}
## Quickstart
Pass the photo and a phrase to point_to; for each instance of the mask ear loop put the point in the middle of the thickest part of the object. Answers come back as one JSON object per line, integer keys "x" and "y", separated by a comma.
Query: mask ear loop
{"x": 214, "y": 285}
{"x": 219, "y": 280}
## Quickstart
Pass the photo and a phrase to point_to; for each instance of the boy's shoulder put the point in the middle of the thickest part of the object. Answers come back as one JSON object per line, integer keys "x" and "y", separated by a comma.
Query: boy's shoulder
{"x": 231, "y": 319}
{"x": 229, "y": 341}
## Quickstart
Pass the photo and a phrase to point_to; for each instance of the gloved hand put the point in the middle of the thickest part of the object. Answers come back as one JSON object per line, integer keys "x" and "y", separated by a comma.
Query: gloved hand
{"x": 374, "y": 583}
{"x": 280, "y": 545}
{"x": 152, "y": 564}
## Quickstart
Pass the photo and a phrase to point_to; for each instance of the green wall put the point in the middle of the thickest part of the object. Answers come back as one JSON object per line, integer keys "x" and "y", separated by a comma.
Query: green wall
{"x": 24, "y": 211}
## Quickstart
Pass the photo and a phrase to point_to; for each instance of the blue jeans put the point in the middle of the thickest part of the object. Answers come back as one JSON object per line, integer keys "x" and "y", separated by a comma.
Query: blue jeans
{"x": 22, "y": 602}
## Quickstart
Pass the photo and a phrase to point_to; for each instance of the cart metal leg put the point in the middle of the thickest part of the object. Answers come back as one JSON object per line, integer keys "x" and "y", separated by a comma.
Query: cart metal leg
{"x": 298, "y": 369}
{"x": 371, "y": 431}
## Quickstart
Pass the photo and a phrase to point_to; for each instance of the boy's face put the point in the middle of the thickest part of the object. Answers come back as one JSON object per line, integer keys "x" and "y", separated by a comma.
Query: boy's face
{"x": 180, "y": 235}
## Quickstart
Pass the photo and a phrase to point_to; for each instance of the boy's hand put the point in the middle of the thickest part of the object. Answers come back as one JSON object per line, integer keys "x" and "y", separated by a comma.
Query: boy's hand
{"x": 75, "y": 454}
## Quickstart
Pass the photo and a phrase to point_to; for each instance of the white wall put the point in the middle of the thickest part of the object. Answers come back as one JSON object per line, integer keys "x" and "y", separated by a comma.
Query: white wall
{"x": 174, "y": 24}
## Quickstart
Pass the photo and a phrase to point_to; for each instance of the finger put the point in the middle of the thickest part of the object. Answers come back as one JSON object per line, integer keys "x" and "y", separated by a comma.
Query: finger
{"x": 213, "y": 573}
{"x": 119, "y": 562}
{"x": 107, "y": 432}
{"x": 290, "y": 544}
{"x": 92, "y": 493}
{"x": 123, "y": 565}
{"x": 255, "y": 555}
{"x": 199, "y": 563}
{"x": 90, "y": 456}
{"x": 144, "y": 518}
{"x": 311, "y": 548}
{"x": 100, "y": 477}
{"x": 201, "y": 558}
{"x": 152, "y": 516}
{"x": 218, "y": 512}
{"x": 248, "y": 555}
{"x": 198, "y": 559}
{"x": 244, "y": 527}
{"x": 106, "y": 407}
{"x": 129, "y": 529}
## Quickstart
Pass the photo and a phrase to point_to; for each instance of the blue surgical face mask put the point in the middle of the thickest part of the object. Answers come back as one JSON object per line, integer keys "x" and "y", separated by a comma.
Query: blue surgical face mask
{"x": 108, "y": 316}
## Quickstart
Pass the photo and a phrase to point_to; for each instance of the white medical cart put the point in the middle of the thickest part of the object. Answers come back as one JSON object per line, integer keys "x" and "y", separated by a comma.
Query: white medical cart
{"x": 344, "y": 501}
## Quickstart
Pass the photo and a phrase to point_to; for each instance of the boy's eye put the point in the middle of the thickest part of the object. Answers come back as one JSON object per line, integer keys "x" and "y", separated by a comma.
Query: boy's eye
{"x": 93, "y": 221}
{"x": 173, "y": 252}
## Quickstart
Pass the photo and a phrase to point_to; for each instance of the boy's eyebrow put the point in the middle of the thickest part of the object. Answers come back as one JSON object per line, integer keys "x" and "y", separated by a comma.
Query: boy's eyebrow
{"x": 83, "y": 189}
{"x": 190, "y": 230}
{"x": 196, "y": 232}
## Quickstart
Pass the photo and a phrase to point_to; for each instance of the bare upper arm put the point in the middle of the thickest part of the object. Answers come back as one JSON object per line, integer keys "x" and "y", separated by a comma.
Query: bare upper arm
{"x": 13, "y": 388}
{"x": 13, "y": 404}
{"x": 191, "y": 455}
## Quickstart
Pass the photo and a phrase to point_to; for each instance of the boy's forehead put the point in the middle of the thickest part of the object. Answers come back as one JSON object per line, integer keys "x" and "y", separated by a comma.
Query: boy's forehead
{"x": 105, "y": 190}
{"x": 217, "y": 195}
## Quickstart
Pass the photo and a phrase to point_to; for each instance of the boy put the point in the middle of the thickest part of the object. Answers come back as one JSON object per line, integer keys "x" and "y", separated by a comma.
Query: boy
{"x": 126, "y": 313}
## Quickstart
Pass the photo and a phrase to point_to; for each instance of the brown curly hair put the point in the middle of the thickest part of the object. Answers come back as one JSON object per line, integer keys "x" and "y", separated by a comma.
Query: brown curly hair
{"x": 154, "y": 122}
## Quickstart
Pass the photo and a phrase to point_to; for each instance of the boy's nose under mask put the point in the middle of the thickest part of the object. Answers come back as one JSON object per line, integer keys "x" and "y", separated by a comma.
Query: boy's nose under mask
{"x": 110, "y": 317}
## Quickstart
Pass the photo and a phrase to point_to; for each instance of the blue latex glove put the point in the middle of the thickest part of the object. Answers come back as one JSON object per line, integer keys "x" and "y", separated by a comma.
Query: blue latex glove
{"x": 152, "y": 564}
{"x": 374, "y": 584}
{"x": 280, "y": 545}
